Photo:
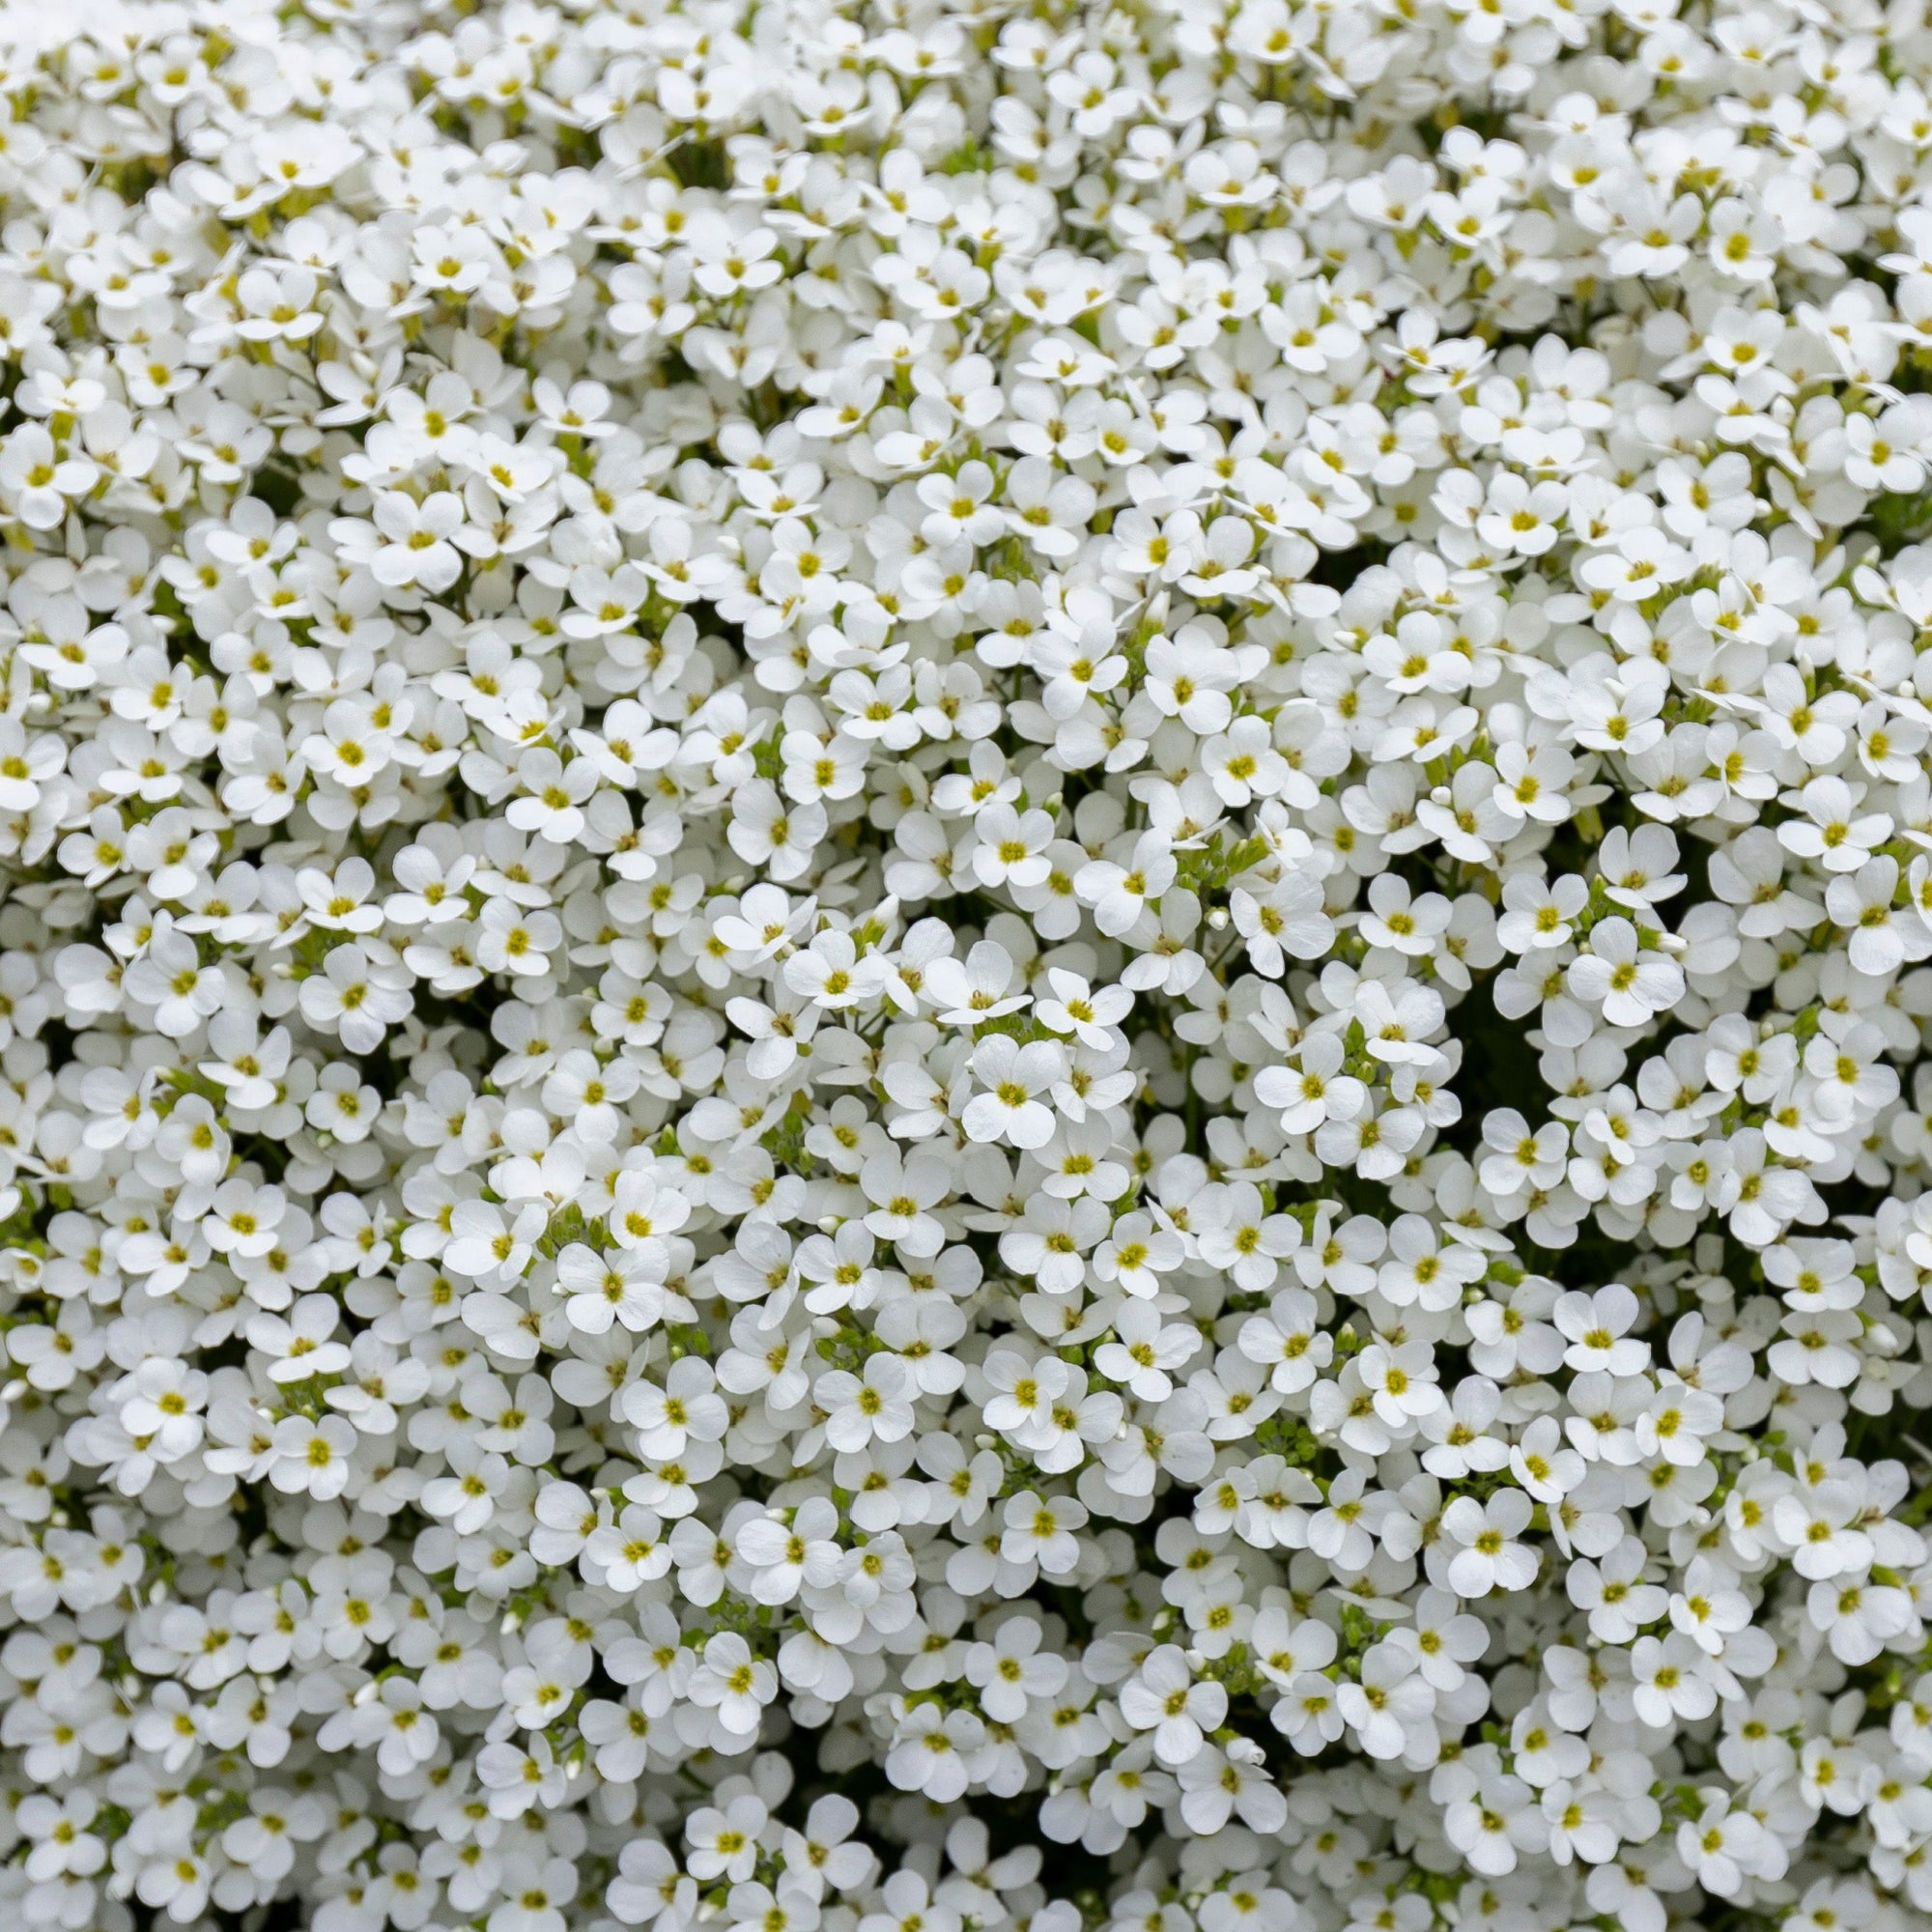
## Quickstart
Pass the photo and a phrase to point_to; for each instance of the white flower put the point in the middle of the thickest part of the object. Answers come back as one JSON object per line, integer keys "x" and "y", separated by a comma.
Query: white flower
{"x": 734, "y": 1684}
{"x": 1166, "y": 1699}
{"x": 1629, "y": 982}
{"x": 933, "y": 1751}
{"x": 1487, "y": 1556}
{"x": 1012, "y": 1077}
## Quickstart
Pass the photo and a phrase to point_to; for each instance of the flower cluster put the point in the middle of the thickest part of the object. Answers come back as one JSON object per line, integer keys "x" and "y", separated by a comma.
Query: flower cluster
{"x": 927, "y": 923}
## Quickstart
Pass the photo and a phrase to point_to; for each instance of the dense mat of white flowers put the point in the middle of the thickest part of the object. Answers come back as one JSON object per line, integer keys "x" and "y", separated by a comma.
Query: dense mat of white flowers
{"x": 965, "y": 965}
